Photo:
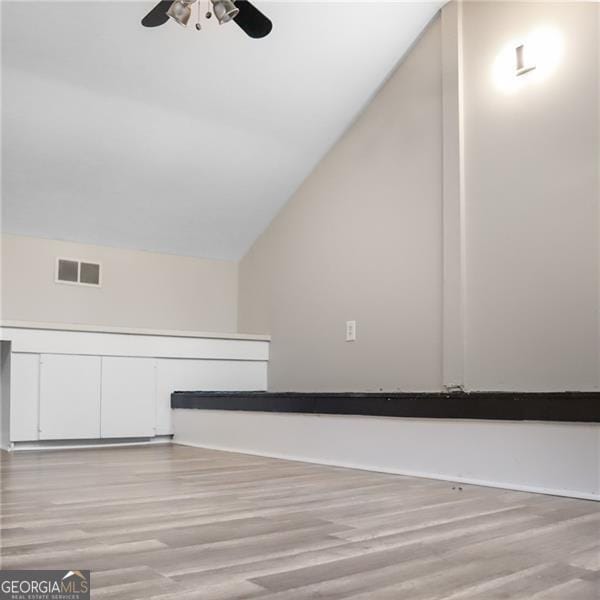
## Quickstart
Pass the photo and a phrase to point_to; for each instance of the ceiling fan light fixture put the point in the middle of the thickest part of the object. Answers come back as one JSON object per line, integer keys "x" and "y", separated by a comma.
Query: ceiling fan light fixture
{"x": 246, "y": 16}
{"x": 180, "y": 12}
{"x": 225, "y": 10}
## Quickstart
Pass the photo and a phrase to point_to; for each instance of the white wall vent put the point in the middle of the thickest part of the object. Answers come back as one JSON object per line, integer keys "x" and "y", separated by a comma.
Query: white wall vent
{"x": 77, "y": 272}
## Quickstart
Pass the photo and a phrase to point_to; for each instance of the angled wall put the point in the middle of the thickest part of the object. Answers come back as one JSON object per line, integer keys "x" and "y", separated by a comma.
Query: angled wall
{"x": 457, "y": 221}
{"x": 361, "y": 240}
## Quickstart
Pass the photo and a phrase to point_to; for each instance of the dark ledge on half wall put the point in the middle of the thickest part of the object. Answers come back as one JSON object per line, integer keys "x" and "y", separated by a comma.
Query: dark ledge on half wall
{"x": 581, "y": 407}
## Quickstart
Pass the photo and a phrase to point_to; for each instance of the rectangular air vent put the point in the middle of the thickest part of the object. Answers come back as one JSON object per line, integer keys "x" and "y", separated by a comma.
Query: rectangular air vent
{"x": 68, "y": 270}
{"x": 89, "y": 273}
{"x": 77, "y": 272}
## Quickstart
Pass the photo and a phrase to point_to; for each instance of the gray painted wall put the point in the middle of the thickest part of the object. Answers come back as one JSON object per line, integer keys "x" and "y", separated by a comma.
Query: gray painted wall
{"x": 139, "y": 289}
{"x": 4, "y": 393}
{"x": 360, "y": 240}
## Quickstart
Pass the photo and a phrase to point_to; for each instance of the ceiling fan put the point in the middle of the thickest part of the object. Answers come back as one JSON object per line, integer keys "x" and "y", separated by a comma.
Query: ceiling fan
{"x": 246, "y": 16}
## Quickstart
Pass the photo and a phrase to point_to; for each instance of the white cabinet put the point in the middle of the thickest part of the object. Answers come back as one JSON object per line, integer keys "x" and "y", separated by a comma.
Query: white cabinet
{"x": 75, "y": 384}
{"x": 128, "y": 397}
{"x": 69, "y": 397}
{"x": 208, "y": 375}
{"x": 24, "y": 397}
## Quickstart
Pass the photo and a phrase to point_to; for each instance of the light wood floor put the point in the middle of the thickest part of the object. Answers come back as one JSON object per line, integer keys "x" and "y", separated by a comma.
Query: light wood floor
{"x": 177, "y": 523}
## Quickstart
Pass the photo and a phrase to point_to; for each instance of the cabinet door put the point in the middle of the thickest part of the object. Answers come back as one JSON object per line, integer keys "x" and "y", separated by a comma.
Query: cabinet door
{"x": 24, "y": 397}
{"x": 128, "y": 397}
{"x": 69, "y": 397}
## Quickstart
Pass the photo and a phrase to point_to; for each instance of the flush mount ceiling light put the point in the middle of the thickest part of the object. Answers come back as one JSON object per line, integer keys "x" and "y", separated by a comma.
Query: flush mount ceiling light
{"x": 246, "y": 16}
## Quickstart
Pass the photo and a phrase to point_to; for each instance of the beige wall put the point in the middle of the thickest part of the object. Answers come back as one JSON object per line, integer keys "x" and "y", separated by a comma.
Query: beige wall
{"x": 491, "y": 255}
{"x": 360, "y": 240}
{"x": 487, "y": 263}
{"x": 532, "y": 163}
{"x": 139, "y": 289}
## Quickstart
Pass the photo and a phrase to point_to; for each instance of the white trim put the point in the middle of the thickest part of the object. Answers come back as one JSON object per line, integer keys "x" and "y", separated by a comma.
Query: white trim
{"x": 551, "y": 458}
{"x": 78, "y": 445}
{"x": 84, "y": 328}
{"x": 453, "y": 201}
{"x": 39, "y": 341}
{"x": 406, "y": 473}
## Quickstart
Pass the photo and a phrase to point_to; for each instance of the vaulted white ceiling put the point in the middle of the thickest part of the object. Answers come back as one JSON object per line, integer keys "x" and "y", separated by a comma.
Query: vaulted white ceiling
{"x": 175, "y": 140}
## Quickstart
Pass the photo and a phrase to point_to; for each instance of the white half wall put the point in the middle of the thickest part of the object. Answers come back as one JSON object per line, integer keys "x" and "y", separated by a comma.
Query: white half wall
{"x": 95, "y": 385}
{"x": 552, "y": 458}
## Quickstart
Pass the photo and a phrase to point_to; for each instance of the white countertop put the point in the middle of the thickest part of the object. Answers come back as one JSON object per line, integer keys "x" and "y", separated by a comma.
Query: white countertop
{"x": 133, "y": 331}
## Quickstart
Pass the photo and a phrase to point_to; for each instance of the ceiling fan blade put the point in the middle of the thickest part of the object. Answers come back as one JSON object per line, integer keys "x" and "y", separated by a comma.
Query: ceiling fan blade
{"x": 251, "y": 20}
{"x": 158, "y": 15}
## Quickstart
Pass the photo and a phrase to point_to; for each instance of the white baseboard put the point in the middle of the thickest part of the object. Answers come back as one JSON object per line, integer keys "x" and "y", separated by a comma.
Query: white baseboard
{"x": 85, "y": 444}
{"x": 376, "y": 469}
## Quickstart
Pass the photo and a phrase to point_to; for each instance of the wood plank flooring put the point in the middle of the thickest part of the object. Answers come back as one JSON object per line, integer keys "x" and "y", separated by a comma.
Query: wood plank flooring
{"x": 179, "y": 523}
